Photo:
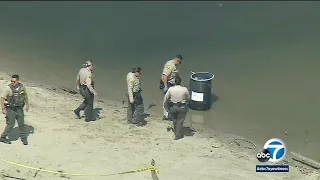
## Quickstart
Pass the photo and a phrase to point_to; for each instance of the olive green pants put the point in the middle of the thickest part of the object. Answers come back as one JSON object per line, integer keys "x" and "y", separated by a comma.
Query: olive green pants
{"x": 87, "y": 104}
{"x": 14, "y": 114}
{"x": 178, "y": 115}
{"x": 136, "y": 109}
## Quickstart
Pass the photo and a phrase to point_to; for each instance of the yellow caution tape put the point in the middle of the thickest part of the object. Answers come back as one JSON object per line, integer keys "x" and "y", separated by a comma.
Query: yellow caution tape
{"x": 151, "y": 168}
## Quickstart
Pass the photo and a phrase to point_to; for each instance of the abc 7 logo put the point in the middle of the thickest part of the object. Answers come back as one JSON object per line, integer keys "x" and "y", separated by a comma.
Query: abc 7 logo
{"x": 274, "y": 151}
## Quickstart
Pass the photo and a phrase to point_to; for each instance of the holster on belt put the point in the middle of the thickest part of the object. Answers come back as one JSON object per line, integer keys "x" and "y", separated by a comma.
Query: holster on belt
{"x": 161, "y": 84}
{"x": 83, "y": 86}
{"x": 137, "y": 97}
{"x": 86, "y": 87}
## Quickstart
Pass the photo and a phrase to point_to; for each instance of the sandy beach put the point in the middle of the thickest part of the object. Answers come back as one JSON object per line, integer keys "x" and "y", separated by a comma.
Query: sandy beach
{"x": 60, "y": 142}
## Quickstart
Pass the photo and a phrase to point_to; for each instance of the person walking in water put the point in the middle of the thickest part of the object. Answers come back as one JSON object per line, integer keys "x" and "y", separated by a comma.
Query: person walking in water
{"x": 85, "y": 84}
{"x": 176, "y": 99}
{"x": 135, "y": 100}
{"x": 169, "y": 73}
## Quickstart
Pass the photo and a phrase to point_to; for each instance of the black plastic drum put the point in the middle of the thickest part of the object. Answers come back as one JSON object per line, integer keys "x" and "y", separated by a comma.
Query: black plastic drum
{"x": 200, "y": 91}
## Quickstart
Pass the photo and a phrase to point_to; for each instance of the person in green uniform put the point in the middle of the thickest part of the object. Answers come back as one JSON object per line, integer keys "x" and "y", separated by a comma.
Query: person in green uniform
{"x": 13, "y": 99}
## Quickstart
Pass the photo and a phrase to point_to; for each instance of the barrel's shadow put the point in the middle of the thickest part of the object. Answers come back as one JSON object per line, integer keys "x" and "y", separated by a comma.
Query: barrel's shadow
{"x": 214, "y": 98}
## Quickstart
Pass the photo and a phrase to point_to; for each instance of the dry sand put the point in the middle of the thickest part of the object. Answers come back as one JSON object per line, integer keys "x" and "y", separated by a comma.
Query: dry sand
{"x": 60, "y": 142}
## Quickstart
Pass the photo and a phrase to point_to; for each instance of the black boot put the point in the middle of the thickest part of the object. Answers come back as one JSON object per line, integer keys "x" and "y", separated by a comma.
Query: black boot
{"x": 178, "y": 137}
{"x": 24, "y": 141}
{"x": 165, "y": 118}
{"x": 77, "y": 113}
{"x": 5, "y": 140}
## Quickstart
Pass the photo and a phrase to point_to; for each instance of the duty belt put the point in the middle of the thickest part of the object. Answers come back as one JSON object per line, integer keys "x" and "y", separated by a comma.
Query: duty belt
{"x": 84, "y": 86}
{"x": 179, "y": 104}
{"x": 138, "y": 92}
{"x": 13, "y": 107}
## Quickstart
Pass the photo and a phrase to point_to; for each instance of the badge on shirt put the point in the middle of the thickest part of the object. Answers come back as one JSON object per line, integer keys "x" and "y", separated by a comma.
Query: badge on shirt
{"x": 131, "y": 83}
{"x": 168, "y": 67}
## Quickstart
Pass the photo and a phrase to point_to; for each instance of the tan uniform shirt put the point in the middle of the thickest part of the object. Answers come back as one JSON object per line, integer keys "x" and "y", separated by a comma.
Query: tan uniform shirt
{"x": 85, "y": 78}
{"x": 133, "y": 84}
{"x": 170, "y": 70}
{"x": 8, "y": 92}
{"x": 177, "y": 94}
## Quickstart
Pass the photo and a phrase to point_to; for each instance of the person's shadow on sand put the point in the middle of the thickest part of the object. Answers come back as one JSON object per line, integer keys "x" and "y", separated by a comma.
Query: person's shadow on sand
{"x": 15, "y": 134}
{"x": 145, "y": 115}
{"x": 187, "y": 131}
{"x": 96, "y": 113}
{"x": 143, "y": 118}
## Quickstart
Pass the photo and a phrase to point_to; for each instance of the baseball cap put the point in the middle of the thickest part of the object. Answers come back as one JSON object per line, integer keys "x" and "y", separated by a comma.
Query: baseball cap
{"x": 88, "y": 63}
{"x": 179, "y": 56}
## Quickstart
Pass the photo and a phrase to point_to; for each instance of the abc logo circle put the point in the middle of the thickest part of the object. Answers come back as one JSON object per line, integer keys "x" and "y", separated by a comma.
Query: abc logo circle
{"x": 263, "y": 155}
{"x": 274, "y": 151}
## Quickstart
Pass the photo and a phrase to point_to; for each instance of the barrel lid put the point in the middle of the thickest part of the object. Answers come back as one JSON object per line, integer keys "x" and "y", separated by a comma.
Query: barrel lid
{"x": 201, "y": 76}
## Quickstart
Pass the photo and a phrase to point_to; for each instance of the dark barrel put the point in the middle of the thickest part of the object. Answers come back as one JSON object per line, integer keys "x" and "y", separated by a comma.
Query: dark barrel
{"x": 200, "y": 91}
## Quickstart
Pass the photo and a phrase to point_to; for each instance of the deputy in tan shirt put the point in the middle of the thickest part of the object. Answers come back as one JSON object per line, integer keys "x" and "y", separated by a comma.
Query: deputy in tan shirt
{"x": 135, "y": 100}
{"x": 86, "y": 86}
{"x": 176, "y": 100}
{"x": 169, "y": 73}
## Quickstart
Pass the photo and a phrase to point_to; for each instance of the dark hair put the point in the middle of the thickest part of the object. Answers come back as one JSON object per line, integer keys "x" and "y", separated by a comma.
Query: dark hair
{"x": 136, "y": 69}
{"x": 177, "y": 80}
{"x": 179, "y": 56}
{"x": 16, "y": 76}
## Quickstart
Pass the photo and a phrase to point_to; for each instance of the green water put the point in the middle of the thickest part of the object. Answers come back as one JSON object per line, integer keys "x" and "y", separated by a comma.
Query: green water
{"x": 264, "y": 56}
